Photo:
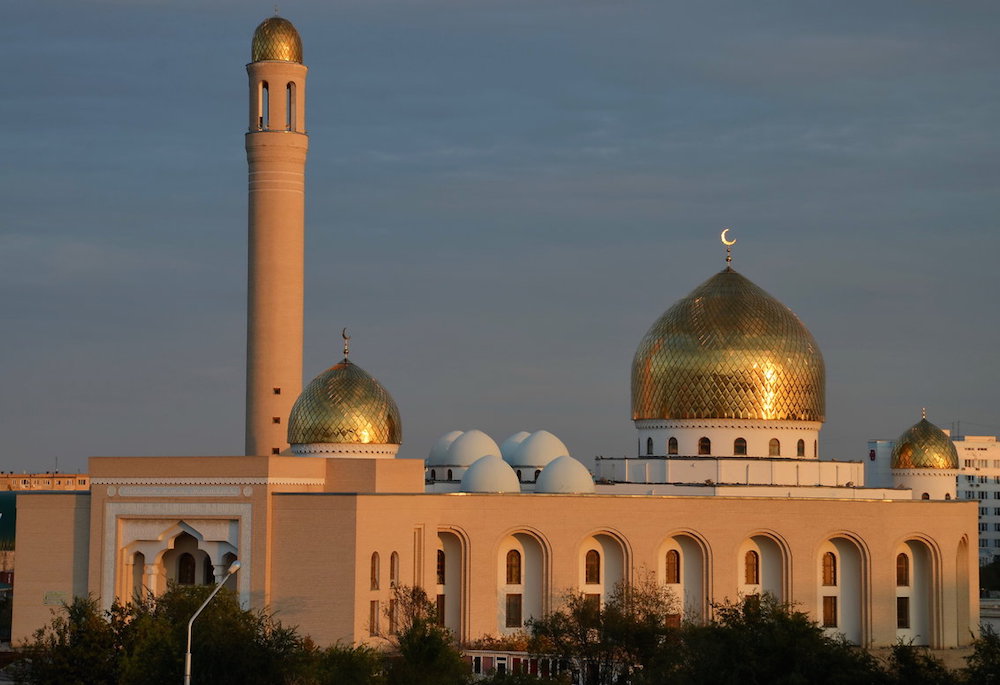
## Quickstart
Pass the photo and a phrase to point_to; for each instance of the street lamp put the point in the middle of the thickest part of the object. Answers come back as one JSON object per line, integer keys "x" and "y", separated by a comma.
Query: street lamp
{"x": 187, "y": 657}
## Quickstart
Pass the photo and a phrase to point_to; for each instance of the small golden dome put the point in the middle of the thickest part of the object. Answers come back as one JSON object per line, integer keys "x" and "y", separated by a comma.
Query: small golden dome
{"x": 276, "y": 40}
{"x": 344, "y": 404}
{"x": 924, "y": 446}
{"x": 728, "y": 351}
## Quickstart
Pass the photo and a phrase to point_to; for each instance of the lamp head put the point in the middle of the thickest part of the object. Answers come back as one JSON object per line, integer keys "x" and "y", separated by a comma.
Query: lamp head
{"x": 234, "y": 567}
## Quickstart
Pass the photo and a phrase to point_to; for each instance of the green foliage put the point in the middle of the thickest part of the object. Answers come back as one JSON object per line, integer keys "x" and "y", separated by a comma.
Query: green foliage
{"x": 424, "y": 652}
{"x": 910, "y": 665}
{"x": 983, "y": 665}
{"x": 346, "y": 665}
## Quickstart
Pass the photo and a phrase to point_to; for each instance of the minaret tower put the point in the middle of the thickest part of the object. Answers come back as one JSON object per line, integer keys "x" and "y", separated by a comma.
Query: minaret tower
{"x": 276, "y": 144}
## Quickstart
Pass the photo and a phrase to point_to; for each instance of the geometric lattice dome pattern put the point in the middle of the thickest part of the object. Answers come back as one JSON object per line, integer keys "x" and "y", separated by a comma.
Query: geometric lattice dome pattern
{"x": 276, "y": 40}
{"x": 345, "y": 404}
{"x": 728, "y": 351}
{"x": 924, "y": 446}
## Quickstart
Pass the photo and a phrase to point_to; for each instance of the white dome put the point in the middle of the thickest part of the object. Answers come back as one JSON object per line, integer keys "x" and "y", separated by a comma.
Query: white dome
{"x": 440, "y": 450}
{"x": 508, "y": 448}
{"x": 468, "y": 448}
{"x": 490, "y": 474}
{"x": 565, "y": 475}
{"x": 537, "y": 450}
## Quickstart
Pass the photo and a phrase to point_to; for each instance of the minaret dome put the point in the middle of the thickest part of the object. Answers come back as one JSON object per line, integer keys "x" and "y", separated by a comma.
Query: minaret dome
{"x": 276, "y": 40}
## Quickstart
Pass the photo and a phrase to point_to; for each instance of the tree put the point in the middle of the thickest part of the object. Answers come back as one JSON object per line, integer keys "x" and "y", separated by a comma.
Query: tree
{"x": 144, "y": 642}
{"x": 983, "y": 665}
{"x": 424, "y": 651}
{"x": 911, "y": 665}
{"x": 630, "y": 632}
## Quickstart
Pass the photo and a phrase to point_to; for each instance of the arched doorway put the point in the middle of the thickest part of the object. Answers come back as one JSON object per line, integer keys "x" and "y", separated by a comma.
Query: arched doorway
{"x": 521, "y": 587}
{"x": 682, "y": 568}
{"x": 841, "y": 589}
{"x": 761, "y": 565}
{"x": 602, "y": 562}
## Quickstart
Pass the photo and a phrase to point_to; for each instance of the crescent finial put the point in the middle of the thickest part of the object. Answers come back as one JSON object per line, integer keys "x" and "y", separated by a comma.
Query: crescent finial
{"x": 347, "y": 342}
{"x": 729, "y": 247}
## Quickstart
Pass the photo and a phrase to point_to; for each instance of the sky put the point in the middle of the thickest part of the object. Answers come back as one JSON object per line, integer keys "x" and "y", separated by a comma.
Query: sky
{"x": 502, "y": 197}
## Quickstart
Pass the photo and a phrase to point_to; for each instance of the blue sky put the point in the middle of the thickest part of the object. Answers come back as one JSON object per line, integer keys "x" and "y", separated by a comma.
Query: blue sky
{"x": 502, "y": 197}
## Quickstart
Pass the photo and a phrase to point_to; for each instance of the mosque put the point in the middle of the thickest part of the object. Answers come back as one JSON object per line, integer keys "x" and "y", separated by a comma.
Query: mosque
{"x": 728, "y": 493}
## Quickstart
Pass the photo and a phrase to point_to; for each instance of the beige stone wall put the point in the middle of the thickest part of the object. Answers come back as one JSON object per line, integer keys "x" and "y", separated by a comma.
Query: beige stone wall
{"x": 52, "y": 552}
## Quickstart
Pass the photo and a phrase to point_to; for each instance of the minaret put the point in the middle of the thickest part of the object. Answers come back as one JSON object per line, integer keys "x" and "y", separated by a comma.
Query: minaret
{"x": 276, "y": 146}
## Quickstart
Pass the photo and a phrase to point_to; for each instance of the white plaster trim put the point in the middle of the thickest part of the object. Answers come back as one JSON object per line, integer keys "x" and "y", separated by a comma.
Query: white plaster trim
{"x": 207, "y": 481}
{"x": 115, "y": 510}
{"x": 178, "y": 491}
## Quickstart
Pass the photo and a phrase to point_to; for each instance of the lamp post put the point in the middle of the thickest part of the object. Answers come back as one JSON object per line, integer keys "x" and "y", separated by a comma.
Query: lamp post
{"x": 234, "y": 567}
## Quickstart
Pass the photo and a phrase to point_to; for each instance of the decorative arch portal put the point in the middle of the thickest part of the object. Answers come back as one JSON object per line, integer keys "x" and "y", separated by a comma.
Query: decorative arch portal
{"x": 682, "y": 566}
{"x": 522, "y": 569}
{"x": 450, "y": 580}
{"x": 769, "y": 555}
{"x": 962, "y": 593}
{"x": 914, "y": 563}
{"x": 603, "y": 564}
{"x": 842, "y": 588}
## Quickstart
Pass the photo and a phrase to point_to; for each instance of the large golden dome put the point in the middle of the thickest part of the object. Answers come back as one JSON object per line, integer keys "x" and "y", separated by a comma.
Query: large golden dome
{"x": 344, "y": 404}
{"x": 728, "y": 351}
{"x": 276, "y": 40}
{"x": 924, "y": 446}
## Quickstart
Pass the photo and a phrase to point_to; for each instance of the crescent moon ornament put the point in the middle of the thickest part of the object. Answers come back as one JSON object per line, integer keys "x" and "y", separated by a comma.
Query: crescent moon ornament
{"x": 347, "y": 342}
{"x": 723, "y": 236}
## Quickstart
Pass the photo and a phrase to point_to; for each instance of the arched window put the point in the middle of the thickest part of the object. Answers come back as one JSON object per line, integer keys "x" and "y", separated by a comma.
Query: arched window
{"x": 672, "y": 446}
{"x": 649, "y": 447}
{"x": 537, "y": 473}
{"x": 433, "y": 474}
{"x": 774, "y": 448}
{"x": 519, "y": 479}
{"x": 704, "y": 446}
{"x": 513, "y": 567}
{"x": 290, "y": 106}
{"x": 449, "y": 475}
{"x": 440, "y": 567}
{"x": 394, "y": 569}
{"x": 740, "y": 447}
{"x": 815, "y": 448}
{"x": 829, "y": 569}
{"x": 592, "y": 567}
{"x": 947, "y": 495}
{"x": 902, "y": 570}
{"x": 375, "y": 571}
{"x": 185, "y": 569}
{"x": 751, "y": 570}
{"x": 264, "y": 106}
{"x": 672, "y": 569}
{"x": 926, "y": 495}
{"x": 800, "y": 448}
{"x": 209, "y": 574}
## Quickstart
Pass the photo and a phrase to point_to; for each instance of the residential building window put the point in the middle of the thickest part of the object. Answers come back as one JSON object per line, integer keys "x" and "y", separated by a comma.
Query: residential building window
{"x": 513, "y": 567}
{"x": 514, "y": 611}
{"x": 902, "y": 570}
{"x": 829, "y": 569}
{"x": 740, "y": 447}
{"x": 983, "y": 527}
{"x": 592, "y": 567}
{"x": 751, "y": 568}
{"x": 440, "y": 567}
{"x": 830, "y": 612}
{"x": 704, "y": 446}
{"x": 902, "y": 612}
{"x": 672, "y": 569}
{"x": 672, "y": 446}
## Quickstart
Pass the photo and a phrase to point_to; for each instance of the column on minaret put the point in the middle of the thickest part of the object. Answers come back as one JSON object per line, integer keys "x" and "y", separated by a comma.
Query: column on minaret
{"x": 276, "y": 146}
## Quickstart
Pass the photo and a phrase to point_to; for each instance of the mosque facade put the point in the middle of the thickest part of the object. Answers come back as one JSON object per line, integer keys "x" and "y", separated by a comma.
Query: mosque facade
{"x": 728, "y": 493}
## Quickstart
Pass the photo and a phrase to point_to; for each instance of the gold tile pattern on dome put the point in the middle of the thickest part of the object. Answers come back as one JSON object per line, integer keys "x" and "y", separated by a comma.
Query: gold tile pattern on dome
{"x": 924, "y": 446}
{"x": 344, "y": 404}
{"x": 276, "y": 40}
{"x": 728, "y": 350}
